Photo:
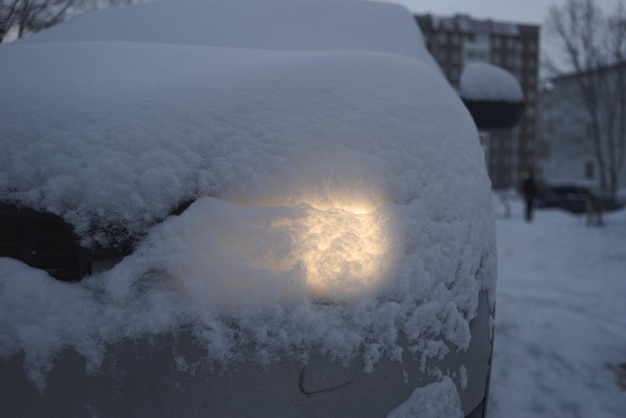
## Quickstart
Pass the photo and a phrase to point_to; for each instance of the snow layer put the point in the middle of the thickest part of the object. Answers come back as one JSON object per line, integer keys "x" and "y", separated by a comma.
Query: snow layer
{"x": 271, "y": 144}
{"x": 560, "y": 329}
{"x": 271, "y": 24}
{"x": 481, "y": 81}
{"x": 437, "y": 400}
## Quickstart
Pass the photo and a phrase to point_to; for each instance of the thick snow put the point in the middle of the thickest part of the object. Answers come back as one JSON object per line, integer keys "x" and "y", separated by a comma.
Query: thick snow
{"x": 560, "y": 325}
{"x": 439, "y": 399}
{"x": 128, "y": 131}
{"x": 353, "y": 25}
{"x": 482, "y": 81}
{"x": 560, "y": 333}
{"x": 277, "y": 145}
{"x": 279, "y": 149}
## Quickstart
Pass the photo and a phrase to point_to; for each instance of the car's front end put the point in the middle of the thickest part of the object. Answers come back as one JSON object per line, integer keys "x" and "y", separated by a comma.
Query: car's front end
{"x": 258, "y": 232}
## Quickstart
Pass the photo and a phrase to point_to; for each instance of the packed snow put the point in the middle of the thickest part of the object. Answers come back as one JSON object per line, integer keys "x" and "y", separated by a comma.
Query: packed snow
{"x": 279, "y": 150}
{"x": 439, "y": 399}
{"x": 560, "y": 341}
{"x": 484, "y": 81}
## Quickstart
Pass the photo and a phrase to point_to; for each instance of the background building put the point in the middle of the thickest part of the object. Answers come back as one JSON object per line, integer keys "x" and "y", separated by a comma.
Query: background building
{"x": 459, "y": 40}
{"x": 565, "y": 129}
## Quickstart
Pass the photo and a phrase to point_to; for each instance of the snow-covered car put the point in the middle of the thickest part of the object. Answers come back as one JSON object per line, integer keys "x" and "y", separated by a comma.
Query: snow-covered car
{"x": 577, "y": 199}
{"x": 268, "y": 208}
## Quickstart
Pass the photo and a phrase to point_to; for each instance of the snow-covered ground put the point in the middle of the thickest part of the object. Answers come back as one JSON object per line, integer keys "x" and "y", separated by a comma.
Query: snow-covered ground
{"x": 560, "y": 324}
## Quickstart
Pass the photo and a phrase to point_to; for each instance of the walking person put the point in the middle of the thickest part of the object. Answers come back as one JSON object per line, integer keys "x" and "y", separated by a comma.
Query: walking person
{"x": 529, "y": 190}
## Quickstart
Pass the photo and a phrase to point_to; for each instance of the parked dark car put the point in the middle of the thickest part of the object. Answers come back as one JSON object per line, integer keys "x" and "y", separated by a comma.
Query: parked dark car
{"x": 577, "y": 199}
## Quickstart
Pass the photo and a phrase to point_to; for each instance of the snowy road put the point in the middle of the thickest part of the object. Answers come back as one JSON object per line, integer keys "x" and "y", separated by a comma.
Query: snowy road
{"x": 561, "y": 326}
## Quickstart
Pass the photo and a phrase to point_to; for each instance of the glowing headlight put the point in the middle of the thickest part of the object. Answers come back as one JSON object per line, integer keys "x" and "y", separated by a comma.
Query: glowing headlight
{"x": 343, "y": 251}
{"x": 228, "y": 255}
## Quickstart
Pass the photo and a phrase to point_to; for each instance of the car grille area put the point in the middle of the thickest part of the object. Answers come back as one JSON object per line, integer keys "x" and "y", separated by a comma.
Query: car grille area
{"x": 42, "y": 241}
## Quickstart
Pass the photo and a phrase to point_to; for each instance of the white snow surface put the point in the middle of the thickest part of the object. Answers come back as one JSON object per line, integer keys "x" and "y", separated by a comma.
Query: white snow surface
{"x": 124, "y": 131}
{"x": 277, "y": 148}
{"x": 436, "y": 400}
{"x": 351, "y": 25}
{"x": 487, "y": 82}
{"x": 560, "y": 340}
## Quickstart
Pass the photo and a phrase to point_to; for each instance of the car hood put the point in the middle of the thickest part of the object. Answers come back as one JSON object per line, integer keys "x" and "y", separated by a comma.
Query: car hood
{"x": 110, "y": 133}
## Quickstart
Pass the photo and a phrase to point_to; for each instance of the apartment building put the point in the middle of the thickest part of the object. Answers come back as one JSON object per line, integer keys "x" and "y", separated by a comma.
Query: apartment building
{"x": 566, "y": 129}
{"x": 459, "y": 40}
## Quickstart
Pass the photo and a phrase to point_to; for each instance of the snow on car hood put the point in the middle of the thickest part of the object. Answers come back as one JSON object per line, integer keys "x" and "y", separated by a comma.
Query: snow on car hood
{"x": 109, "y": 133}
{"x": 321, "y": 25}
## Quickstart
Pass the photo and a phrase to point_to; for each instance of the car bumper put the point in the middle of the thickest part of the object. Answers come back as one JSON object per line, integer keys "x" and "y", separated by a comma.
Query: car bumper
{"x": 165, "y": 375}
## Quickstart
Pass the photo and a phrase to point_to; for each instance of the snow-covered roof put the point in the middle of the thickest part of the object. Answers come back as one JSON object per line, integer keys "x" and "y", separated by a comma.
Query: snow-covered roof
{"x": 275, "y": 146}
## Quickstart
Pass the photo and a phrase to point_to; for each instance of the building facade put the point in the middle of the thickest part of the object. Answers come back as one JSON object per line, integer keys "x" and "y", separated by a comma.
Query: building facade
{"x": 459, "y": 40}
{"x": 566, "y": 130}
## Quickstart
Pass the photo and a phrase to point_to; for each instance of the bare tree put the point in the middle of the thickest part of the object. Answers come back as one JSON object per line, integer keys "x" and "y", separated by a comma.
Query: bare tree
{"x": 21, "y": 17}
{"x": 26, "y": 16}
{"x": 594, "y": 47}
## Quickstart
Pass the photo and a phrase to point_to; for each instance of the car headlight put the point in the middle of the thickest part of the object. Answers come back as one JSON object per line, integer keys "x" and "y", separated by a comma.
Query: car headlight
{"x": 344, "y": 251}
{"x": 229, "y": 254}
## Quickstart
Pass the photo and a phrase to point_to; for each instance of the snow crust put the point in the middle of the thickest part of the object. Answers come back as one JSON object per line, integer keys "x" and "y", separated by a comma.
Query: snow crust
{"x": 486, "y": 82}
{"x": 436, "y": 400}
{"x": 270, "y": 145}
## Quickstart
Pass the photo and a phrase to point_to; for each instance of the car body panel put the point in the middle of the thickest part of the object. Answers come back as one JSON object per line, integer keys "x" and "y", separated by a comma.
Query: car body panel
{"x": 163, "y": 375}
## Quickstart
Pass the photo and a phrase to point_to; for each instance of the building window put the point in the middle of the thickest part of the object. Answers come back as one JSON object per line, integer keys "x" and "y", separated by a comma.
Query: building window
{"x": 443, "y": 58}
{"x": 508, "y": 61}
{"x": 482, "y": 39}
{"x": 455, "y": 57}
{"x": 589, "y": 170}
